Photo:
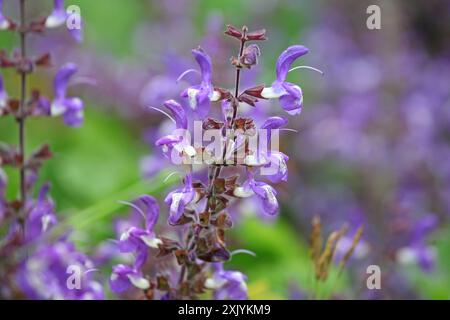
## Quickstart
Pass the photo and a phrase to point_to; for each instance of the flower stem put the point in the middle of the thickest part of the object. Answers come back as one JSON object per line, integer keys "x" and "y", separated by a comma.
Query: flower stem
{"x": 235, "y": 105}
{"x": 21, "y": 116}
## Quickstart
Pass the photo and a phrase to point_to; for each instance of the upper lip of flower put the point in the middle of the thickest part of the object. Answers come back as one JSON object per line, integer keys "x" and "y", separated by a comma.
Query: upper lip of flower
{"x": 286, "y": 59}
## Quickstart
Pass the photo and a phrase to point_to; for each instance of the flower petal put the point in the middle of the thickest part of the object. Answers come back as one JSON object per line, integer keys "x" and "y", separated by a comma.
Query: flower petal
{"x": 204, "y": 61}
{"x": 178, "y": 113}
{"x": 286, "y": 59}
{"x": 62, "y": 79}
{"x": 58, "y": 16}
{"x": 292, "y": 101}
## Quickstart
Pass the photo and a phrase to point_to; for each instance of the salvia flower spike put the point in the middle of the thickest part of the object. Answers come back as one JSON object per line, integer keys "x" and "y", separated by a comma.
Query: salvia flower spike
{"x": 198, "y": 210}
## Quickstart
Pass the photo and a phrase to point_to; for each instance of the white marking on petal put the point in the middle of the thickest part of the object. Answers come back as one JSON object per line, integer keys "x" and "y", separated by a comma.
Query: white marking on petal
{"x": 138, "y": 282}
{"x": 215, "y": 96}
{"x": 176, "y": 198}
{"x": 55, "y": 21}
{"x": 57, "y": 109}
{"x": 270, "y": 195}
{"x": 406, "y": 256}
{"x": 270, "y": 93}
{"x": 4, "y": 25}
{"x": 192, "y": 95}
{"x": 124, "y": 236}
{"x": 152, "y": 242}
{"x": 242, "y": 192}
{"x": 214, "y": 283}
{"x": 45, "y": 220}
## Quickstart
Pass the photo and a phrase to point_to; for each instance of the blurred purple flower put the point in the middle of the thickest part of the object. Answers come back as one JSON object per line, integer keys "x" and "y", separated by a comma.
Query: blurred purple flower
{"x": 59, "y": 16}
{"x": 45, "y": 274}
{"x": 3, "y": 95}
{"x": 123, "y": 277}
{"x": 138, "y": 240}
{"x": 418, "y": 251}
{"x": 4, "y": 23}
{"x": 70, "y": 108}
{"x": 227, "y": 285}
{"x": 41, "y": 216}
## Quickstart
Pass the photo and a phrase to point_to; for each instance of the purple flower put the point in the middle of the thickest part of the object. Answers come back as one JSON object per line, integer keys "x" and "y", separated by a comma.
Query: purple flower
{"x": 43, "y": 107}
{"x": 418, "y": 251}
{"x": 123, "y": 277}
{"x": 3, "y": 95}
{"x": 264, "y": 192}
{"x": 227, "y": 285}
{"x": 4, "y": 23}
{"x": 59, "y": 16}
{"x": 45, "y": 274}
{"x": 42, "y": 215}
{"x": 2, "y": 194}
{"x": 267, "y": 194}
{"x": 139, "y": 240}
{"x": 176, "y": 147}
{"x": 70, "y": 108}
{"x": 178, "y": 199}
{"x": 276, "y": 169}
{"x": 289, "y": 94}
{"x": 200, "y": 95}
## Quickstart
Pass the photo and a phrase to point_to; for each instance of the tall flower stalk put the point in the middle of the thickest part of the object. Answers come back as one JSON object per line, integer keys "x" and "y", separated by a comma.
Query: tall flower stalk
{"x": 36, "y": 266}
{"x": 229, "y": 169}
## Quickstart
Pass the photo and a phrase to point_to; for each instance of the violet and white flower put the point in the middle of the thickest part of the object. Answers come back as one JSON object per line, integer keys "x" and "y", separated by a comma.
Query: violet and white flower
{"x": 263, "y": 191}
{"x": 227, "y": 285}
{"x": 59, "y": 17}
{"x": 3, "y": 202}
{"x": 289, "y": 94}
{"x": 41, "y": 216}
{"x": 267, "y": 195}
{"x": 44, "y": 274}
{"x": 123, "y": 277}
{"x": 276, "y": 169}
{"x": 418, "y": 252}
{"x": 178, "y": 199}
{"x": 138, "y": 240}
{"x": 3, "y": 95}
{"x": 71, "y": 108}
{"x": 200, "y": 96}
{"x": 4, "y": 23}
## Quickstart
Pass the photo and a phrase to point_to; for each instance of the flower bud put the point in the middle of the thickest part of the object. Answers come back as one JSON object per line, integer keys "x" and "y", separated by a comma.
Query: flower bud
{"x": 257, "y": 35}
{"x": 250, "y": 56}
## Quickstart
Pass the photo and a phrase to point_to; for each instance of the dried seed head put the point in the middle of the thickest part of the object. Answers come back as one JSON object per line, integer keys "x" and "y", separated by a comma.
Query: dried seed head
{"x": 350, "y": 251}
{"x": 316, "y": 239}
